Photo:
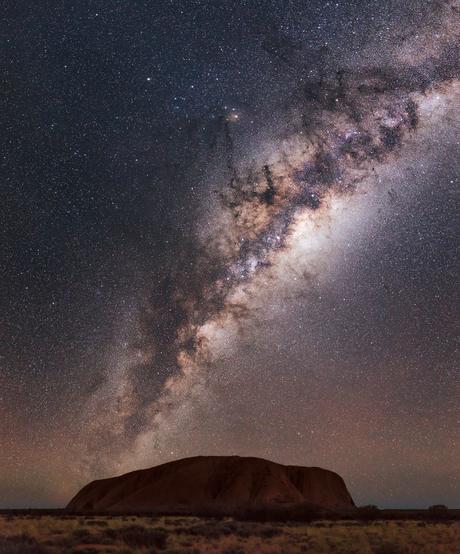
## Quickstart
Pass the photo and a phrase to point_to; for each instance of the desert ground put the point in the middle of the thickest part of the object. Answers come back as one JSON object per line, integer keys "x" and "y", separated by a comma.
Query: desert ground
{"x": 52, "y": 534}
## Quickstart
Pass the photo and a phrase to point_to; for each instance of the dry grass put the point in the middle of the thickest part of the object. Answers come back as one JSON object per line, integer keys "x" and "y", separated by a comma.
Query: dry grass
{"x": 188, "y": 535}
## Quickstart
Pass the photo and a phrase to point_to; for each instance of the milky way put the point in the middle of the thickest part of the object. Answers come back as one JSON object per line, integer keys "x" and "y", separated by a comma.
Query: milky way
{"x": 300, "y": 305}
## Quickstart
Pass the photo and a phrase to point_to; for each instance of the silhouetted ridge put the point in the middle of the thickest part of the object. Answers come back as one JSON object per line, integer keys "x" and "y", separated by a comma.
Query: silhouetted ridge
{"x": 215, "y": 484}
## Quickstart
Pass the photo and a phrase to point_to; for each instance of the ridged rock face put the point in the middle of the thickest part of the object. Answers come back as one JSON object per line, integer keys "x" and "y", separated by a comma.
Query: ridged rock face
{"x": 214, "y": 484}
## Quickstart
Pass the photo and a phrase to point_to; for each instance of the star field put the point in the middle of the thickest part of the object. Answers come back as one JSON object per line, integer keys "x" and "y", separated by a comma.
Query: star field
{"x": 230, "y": 228}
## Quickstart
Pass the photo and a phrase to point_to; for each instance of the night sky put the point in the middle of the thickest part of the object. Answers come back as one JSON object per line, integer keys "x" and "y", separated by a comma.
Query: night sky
{"x": 230, "y": 228}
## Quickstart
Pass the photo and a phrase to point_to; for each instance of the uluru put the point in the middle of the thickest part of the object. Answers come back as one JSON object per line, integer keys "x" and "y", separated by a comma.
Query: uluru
{"x": 215, "y": 484}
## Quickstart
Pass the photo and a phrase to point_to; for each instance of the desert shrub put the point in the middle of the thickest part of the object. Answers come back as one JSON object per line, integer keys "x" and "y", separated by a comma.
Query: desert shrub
{"x": 137, "y": 536}
{"x": 82, "y": 535}
{"x": 387, "y": 548}
{"x": 23, "y": 538}
{"x": 97, "y": 523}
{"x": 216, "y": 529}
{"x": 438, "y": 507}
{"x": 243, "y": 530}
{"x": 176, "y": 521}
{"x": 269, "y": 532}
{"x": 300, "y": 512}
{"x": 322, "y": 524}
{"x": 209, "y": 530}
{"x": 368, "y": 512}
{"x": 438, "y": 511}
{"x": 256, "y": 529}
{"x": 111, "y": 533}
{"x": 20, "y": 544}
{"x": 234, "y": 550}
{"x": 14, "y": 548}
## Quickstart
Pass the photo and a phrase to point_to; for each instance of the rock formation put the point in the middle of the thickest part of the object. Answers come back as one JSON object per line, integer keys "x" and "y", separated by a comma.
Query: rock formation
{"x": 215, "y": 484}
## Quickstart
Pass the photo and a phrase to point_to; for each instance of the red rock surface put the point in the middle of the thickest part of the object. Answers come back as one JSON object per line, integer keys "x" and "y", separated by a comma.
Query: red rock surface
{"x": 214, "y": 483}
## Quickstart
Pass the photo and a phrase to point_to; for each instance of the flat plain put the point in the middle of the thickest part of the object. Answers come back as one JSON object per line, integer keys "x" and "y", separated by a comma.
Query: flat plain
{"x": 53, "y": 534}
